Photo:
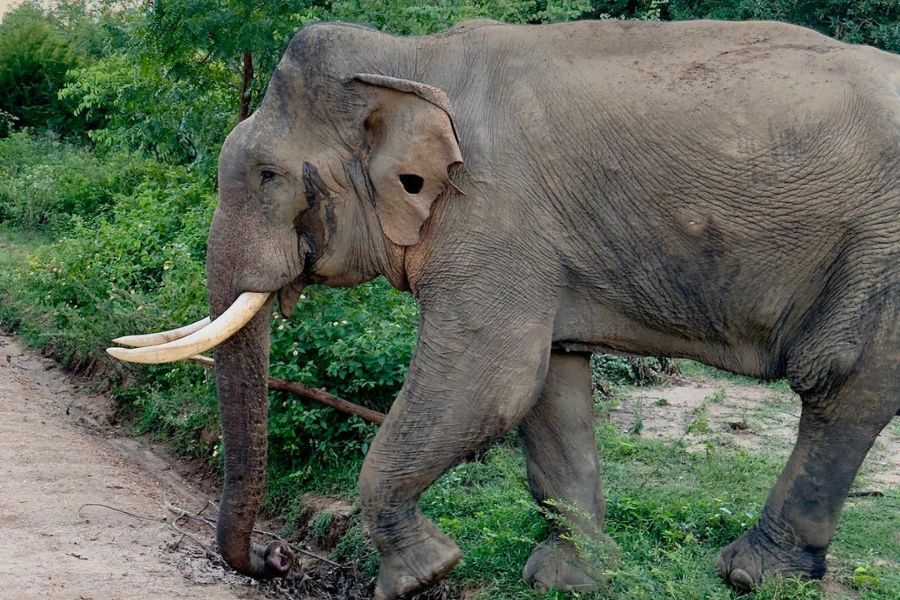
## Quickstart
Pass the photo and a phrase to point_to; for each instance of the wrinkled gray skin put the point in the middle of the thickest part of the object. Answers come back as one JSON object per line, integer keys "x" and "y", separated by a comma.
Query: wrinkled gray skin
{"x": 727, "y": 192}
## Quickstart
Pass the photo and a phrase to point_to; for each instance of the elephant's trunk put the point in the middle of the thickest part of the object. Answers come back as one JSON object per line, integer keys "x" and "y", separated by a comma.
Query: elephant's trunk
{"x": 242, "y": 363}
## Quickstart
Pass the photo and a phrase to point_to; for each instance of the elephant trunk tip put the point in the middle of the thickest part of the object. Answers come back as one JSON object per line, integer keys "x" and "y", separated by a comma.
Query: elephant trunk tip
{"x": 273, "y": 560}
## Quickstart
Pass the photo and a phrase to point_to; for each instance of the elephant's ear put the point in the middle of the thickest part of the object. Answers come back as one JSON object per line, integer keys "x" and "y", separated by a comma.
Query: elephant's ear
{"x": 411, "y": 144}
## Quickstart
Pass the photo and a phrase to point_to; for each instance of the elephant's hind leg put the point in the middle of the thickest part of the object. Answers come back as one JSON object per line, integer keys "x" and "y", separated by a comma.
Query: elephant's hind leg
{"x": 837, "y": 428}
{"x": 563, "y": 472}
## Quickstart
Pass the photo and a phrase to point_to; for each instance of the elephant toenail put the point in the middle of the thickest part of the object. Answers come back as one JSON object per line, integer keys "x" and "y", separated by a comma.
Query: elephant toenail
{"x": 741, "y": 579}
{"x": 721, "y": 567}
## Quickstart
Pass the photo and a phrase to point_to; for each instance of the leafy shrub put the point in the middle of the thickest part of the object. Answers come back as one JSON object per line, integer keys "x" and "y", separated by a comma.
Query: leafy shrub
{"x": 874, "y": 22}
{"x": 45, "y": 181}
{"x": 136, "y": 267}
{"x": 356, "y": 343}
{"x": 610, "y": 369}
{"x": 411, "y": 17}
{"x": 139, "y": 106}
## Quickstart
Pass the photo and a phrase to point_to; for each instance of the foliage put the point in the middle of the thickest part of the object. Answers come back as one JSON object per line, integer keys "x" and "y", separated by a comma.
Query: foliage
{"x": 874, "y": 22}
{"x": 189, "y": 34}
{"x": 46, "y": 181}
{"x": 356, "y": 343}
{"x": 34, "y": 60}
{"x": 137, "y": 105}
{"x": 613, "y": 370}
{"x": 410, "y": 17}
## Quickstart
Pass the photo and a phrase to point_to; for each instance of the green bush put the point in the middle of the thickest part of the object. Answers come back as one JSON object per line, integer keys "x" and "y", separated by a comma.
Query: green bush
{"x": 412, "y": 17}
{"x": 137, "y": 267}
{"x": 44, "y": 182}
{"x": 873, "y": 22}
{"x": 137, "y": 105}
{"x": 34, "y": 60}
{"x": 355, "y": 343}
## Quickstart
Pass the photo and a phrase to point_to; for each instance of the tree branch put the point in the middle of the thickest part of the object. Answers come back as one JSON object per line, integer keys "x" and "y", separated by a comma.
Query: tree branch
{"x": 297, "y": 389}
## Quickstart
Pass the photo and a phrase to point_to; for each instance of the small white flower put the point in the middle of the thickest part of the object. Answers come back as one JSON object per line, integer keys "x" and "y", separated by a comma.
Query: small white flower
{"x": 295, "y": 353}
{"x": 344, "y": 322}
{"x": 280, "y": 327}
{"x": 303, "y": 296}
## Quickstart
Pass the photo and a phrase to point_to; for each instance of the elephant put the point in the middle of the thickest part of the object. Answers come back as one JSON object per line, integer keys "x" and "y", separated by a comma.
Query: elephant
{"x": 719, "y": 191}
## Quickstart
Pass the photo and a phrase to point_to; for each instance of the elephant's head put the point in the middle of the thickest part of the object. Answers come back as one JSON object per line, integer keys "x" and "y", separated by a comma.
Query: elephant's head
{"x": 328, "y": 182}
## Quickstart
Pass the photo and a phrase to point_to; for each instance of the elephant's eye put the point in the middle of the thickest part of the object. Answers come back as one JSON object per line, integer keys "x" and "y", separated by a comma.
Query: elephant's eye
{"x": 265, "y": 176}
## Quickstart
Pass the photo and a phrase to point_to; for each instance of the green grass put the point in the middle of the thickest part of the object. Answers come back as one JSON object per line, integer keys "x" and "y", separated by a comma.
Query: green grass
{"x": 669, "y": 510}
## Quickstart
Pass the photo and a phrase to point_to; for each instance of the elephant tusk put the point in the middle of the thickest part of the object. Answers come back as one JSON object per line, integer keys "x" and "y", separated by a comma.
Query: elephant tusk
{"x": 219, "y": 330}
{"x": 154, "y": 339}
{"x": 203, "y": 360}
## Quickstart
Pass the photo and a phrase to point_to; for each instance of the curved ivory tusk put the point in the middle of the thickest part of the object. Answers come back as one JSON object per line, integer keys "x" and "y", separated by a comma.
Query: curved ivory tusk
{"x": 203, "y": 360}
{"x": 154, "y": 339}
{"x": 230, "y": 321}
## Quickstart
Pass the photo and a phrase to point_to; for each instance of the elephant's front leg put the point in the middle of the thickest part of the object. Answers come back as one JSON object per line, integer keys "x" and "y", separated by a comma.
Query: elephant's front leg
{"x": 464, "y": 389}
{"x": 563, "y": 472}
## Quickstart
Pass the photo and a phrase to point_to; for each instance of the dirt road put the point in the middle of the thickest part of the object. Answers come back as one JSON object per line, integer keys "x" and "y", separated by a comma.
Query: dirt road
{"x": 52, "y": 462}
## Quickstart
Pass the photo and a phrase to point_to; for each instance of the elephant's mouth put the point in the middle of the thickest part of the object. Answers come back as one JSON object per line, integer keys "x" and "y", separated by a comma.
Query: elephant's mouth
{"x": 289, "y": 295}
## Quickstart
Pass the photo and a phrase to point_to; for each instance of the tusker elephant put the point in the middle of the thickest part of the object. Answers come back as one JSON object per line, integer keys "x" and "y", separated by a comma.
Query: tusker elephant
{"x": 726, "y": 192}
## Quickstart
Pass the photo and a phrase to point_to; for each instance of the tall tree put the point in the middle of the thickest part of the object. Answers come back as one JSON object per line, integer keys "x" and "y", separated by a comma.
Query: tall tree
{"x": 246, "y": 35}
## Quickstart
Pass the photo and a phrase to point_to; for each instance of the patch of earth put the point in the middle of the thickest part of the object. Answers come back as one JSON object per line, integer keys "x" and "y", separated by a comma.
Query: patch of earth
{"x": 757, "y": 418}
{"x": 57, "y": 469}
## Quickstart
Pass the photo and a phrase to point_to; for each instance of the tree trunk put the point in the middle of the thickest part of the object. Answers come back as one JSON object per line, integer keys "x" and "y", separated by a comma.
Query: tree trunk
{"x": 246, "y": 79}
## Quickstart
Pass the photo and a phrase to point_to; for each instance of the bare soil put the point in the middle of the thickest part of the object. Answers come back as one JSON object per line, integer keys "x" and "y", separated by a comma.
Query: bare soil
{"x": 59, "y": 455}
{"x": 756, "y": 417}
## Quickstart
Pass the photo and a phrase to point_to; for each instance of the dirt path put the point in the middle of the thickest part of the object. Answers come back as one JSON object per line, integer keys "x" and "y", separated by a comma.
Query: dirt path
{"x": 52, "y": 462}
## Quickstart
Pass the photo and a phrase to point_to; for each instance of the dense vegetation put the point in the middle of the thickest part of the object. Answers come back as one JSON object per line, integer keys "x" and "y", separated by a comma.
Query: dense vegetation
{"x": 111, "y": 119}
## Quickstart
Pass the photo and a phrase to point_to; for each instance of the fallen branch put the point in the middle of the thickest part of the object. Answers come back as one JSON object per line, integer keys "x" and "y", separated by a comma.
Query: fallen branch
{"x": 344, "y": 406}
{"x": 297, "y": 389}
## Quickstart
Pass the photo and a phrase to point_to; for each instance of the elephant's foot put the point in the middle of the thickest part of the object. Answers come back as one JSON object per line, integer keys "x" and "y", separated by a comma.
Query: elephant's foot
{"x": 555, "y": 564}
{"x": 416, "y": 566}
{"x": 756, "y": 556}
